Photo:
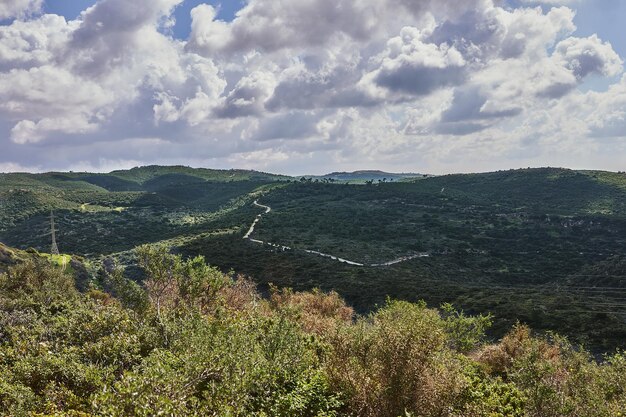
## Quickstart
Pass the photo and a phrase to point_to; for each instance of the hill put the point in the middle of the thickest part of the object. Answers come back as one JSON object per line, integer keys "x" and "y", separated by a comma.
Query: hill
{"x": 366, "y": 175}
{"x": 123, "y": 208}
{"x": 519, "y": 244}
{"x": 542, "y": 246}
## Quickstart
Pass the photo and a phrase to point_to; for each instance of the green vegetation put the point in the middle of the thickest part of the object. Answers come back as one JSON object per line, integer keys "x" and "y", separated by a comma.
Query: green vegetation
{"x": 363, "y": 177}
{"x": 124, "y": 209}
{"x": 545, "y": 247}
{"x": 194, "y": 341}
{"x": 11, "y": 256}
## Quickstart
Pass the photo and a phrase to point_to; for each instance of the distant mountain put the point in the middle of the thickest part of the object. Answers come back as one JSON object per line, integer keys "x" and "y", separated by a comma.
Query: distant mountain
{"x": 367, "y": 175}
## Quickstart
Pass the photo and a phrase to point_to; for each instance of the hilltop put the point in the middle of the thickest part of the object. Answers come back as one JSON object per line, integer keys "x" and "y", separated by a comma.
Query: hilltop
{"x": 366, "y": 175}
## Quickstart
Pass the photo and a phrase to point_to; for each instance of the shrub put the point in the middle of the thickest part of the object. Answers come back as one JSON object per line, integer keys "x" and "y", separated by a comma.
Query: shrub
{"x": 396, "y": 361}
{"x": 198, "y": 342}
{"x": 172, "y": 282}
{"x": 316, "y": 311}
{"x": 556, "y": 378}
{"x": 35, "y": 283}
{"x": 257, "y": 367}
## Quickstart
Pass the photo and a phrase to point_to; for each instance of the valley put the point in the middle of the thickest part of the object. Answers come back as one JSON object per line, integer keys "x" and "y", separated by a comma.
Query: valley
{"x": 543, "y": 246}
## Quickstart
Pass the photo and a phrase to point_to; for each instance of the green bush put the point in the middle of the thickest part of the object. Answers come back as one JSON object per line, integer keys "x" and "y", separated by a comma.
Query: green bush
{"x": 195, "y": 342}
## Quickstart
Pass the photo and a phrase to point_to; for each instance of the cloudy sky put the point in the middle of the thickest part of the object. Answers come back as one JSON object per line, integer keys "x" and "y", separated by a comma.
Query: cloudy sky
{"x": 311, "y": 86}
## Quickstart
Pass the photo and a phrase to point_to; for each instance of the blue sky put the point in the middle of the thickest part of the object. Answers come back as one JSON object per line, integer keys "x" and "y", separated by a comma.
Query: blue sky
{"x": 604, "y": 17}
{"x": 313, "y": 86}
{"x": 70, "y": 9}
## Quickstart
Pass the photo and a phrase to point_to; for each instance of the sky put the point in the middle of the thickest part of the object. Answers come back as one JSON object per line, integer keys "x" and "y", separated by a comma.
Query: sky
{"x": 312, "y": 86}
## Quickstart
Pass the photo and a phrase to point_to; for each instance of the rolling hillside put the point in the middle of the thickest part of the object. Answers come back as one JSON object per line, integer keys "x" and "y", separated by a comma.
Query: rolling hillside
{"x": 543, "y": 246}
{"x": 106, "y": 213}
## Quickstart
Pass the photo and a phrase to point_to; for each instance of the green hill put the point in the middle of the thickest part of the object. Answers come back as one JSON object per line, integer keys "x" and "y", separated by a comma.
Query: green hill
{"x": 519, "y": 244}
{"x": 105, "y": 213}
{"x": 542, "y": 246}
{"x": 553, "y": 190}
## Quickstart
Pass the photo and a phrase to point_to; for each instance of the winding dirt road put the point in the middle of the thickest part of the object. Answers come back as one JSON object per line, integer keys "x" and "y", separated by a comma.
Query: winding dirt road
{"x": 248, "y": 236}
{"x": 256, "y": 220}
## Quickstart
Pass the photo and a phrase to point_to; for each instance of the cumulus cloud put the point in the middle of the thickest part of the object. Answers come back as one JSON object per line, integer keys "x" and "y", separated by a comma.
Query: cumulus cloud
{"x": 313, "y": 80}
{"x": 410, "y": 66}
{"x": 320, "y": 78}
{"x": 27, "y": 131}
{"x": 249, "y": 96}
{"x": 19, "y": 8}
{"x": 584, "y": 56}
{"x": 74, "y": 77}
{"x": 27, "y": 44}
{"x": 605, "y": 112}
{"x": 470, "y": 112}
{"x": 112, "y": 31}
{"x": 271, "y": 25}
{"x": 49, "y": 91}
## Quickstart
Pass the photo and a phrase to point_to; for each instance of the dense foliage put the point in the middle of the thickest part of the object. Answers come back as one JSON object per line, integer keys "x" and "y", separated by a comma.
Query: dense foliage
{"x": 542, "y": 246}
{"x": 124, "y": 208}
{"x": 545, "y": 246}
{"x": 194, "y": 341}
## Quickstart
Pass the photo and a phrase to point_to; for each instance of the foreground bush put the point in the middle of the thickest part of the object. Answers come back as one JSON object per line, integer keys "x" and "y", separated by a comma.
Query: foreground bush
{"x": 194, "y": 341}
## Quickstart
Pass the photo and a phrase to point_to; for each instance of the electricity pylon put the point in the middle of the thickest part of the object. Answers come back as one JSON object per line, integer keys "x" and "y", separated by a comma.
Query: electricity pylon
{"x": 54, "y": 250}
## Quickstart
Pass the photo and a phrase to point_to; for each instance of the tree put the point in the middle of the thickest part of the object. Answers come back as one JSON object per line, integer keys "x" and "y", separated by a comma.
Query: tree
{"x": 161, "y": 269}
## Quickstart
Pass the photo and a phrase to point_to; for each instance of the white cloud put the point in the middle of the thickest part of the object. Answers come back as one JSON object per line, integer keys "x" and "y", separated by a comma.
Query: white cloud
{"x": 249, "y": 95}
{"x": 49, "y": 91}
{"x": 411, "y": 81}
{"x": 409, "y": 66}
{"x": 584, "y": 56}
{"x": 19, "y": 8}
{"x": 27, "y": 131}
{"x": 27, "y": 44}
{"x": 271, "y": 25}
{"x": 605, "y": 112}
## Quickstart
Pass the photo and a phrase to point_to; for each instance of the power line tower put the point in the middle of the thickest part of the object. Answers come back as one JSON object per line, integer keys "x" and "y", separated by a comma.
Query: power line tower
{"x": 54, "y": 250}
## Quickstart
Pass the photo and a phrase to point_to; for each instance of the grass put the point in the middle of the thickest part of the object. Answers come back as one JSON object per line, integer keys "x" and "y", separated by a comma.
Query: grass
{"x": 62, "y": 261}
